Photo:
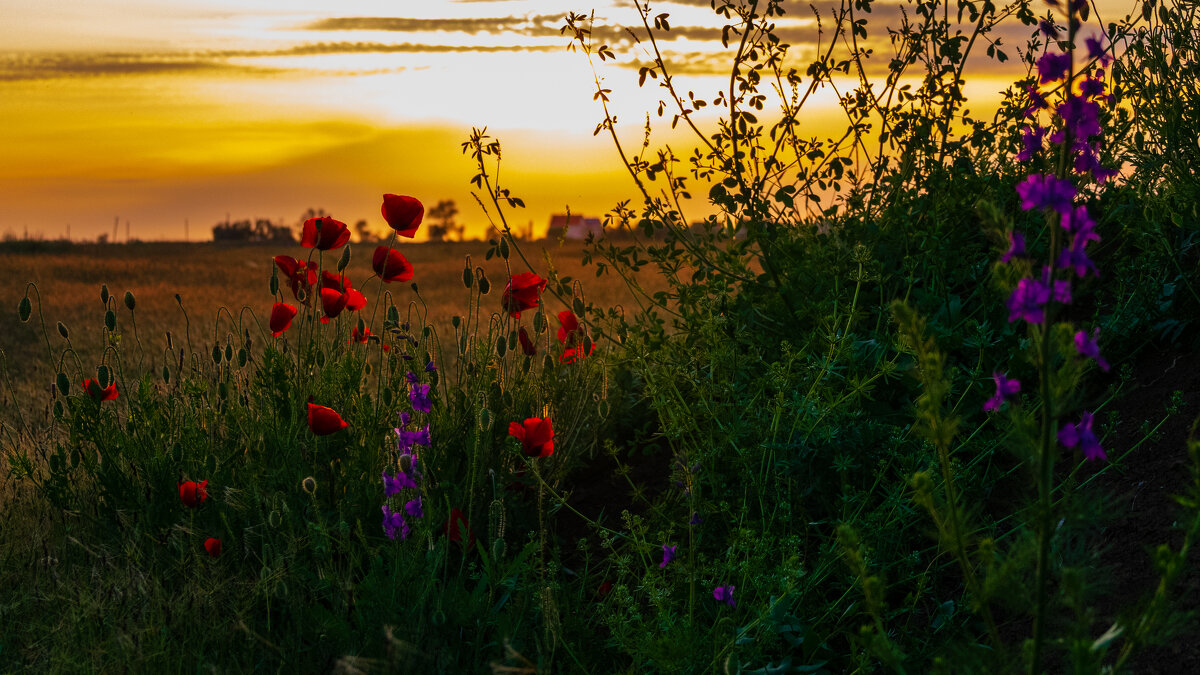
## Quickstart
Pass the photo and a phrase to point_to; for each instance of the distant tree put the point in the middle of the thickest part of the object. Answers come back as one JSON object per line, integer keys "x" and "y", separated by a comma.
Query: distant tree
{"x": 365, "y": 232}
{"x": 443, "y": 215}
{"x": 261, "y": 229}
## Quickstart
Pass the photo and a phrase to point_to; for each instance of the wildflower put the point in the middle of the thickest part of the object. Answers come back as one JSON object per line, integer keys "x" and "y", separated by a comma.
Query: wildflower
{"x": 696, "y": 519}
{"x": 1039, "y": 191}
{"x": 418, "y": 394}
{"x": 1090, "y": 348}
{"x": 324, "y": 421}
{"x": 454, "y": 526}
{"x": 391, "y": 266}
{"x": 1073, "y": 257}
{"x": 1016, "y": 246}
{"x": 1053, "y": 66}
{"x": 1081, "y": 434}
{"x": 357, "y": 337}
{"x": 324, "y": 233}
{"x": 393, "y": 524}
{"x": 403, "y": 214}
{"x": 213, "y": 547}
{"x": 430, "y": 367}
{"x": 1046, "y": 27}
{"x": 333, "y": 302}
{"x": 1028, "y": 301}
{"x": 573, "y": 354}
{"x": 724, "y": 594}
{"x": 98, "y": 393}
{"x": 604, "y": 589}
{"x": 193, "y": 494}
{"x": 536, "y": 436}
{"x": 393, "y": 484}
{"x": 354, "y": 299}
{"x": 668, "y": 555}
{"x": 301, "y": 276}
{"x": 522, "y": 293}
{"x": 527, "y": 344}
{"x": 405, "y": 440}
{"x": 1037, "y": 101}
{"x": 1096, "y": 50}
{"x": 1031, "y": 142}
{"x": 568, "y": 329}
{"x": 281, "y": 318}
{"x": 413, "y": 508}
{"x": 1005, "y": 390}
{"x": 1080, "y": 116}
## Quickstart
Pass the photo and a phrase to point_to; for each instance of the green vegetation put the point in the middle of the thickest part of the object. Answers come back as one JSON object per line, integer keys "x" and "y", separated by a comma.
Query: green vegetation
{"x": 804, "y": 451}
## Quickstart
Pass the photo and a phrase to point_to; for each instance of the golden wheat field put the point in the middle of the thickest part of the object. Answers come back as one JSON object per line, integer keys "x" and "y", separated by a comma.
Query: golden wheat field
{"x": 210, "y": 276}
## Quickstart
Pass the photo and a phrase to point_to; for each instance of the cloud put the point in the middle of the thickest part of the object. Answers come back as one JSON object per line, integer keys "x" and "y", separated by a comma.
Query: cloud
{"x": 472, "y": 25}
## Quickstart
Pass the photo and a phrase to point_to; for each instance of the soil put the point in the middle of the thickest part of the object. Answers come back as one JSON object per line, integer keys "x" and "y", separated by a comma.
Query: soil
{"x": 1140, "y": 488}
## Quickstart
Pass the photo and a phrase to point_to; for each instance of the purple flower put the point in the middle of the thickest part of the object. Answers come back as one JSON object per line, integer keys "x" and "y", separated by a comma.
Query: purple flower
{"x": 1072, "y": 435}
{"x": 668, "y": 555}
{"x": 1080, "y": 116}
{"x": 1078, "y": 220}
{"x": 1037, "y": 101}
{"x": 1005, "y": 390}
{"x": 696, "y": 519}
{"x": 413, "y": 508}
{"x": 1090, "y": 348}
{"x": 405, "y": 440}
{"x": 411, "y": 377}
{"x": 1046, "y": 27}
{"x": 394, "y": 484}
{"x": 405, "y": 418}
{"x": 1096, "y": 50}
{"x": 1028, "y": 301}
{"x": 1053, "y": 66}
{"x": 1092, "y": 87}
{"x": 1039, "y": 191}
{"x": 1016, "y": 246}
{"x": 1073, "y": 257}
{"x": 393, "y": 523}
{"x": 724, "y": 594}
{"x": 1031, "y": 142}
{"x": 419, "y": 395}
{"x": 429, "y": 367}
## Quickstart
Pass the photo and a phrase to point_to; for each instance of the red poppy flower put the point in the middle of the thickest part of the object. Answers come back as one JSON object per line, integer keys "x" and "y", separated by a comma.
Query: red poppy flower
{"x": 522, "y": 293}
{"x": 333, "y": 301}
{"x": 193, "y": 494}
{"x": 390, "y": 265}
{"x": 281, "y": 318}
{"x": 98, "y": 393}
{"x": 324, "y": 421}
{"x": 213, "y": 546}
{"x": 355, "y": 300}
{"x": 299, "y": 274}
{"x": 604, "y": 590}
{"x": 324, "y": 233}
{"x": 536, "y": 436}
{"x": 454, "y": 526}
{"x": 527, "y": 344}
{"x": 360, "y": 338}
{"x": 573, "y": 354}
{"x": 568, "y": 328}
{"x": 403, "y": 214}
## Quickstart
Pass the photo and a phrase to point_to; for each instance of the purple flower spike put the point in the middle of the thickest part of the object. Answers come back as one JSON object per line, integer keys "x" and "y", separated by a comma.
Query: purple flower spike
{"x": 1039, "y": 191}
{"x": 413, "y": 508}
{"x": 419, "y": 395}
{"x": 394, "y": 484}
{"x": 1016, "y": 246}
{"x": 1006, "y": 389}
{"x": 411, "y": 377}
{"x": 1028, "y": 301}
{"x": 1090, "y": 348}
{"x": 1074, "y": 258}
{"x": 1053, "y": 66}
{"x": 1037, "y": 101}
{"x": 668, "y": 555}
{"x": 393, "y": 524}
{"x": 1079, "y": 220}
{"x": 724, "y": 594}
{"x": 1031, "y": 142}
{"x": 1072, "y": 435}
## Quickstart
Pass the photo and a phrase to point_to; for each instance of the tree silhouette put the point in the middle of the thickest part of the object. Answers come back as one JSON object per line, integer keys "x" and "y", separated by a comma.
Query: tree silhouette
{"x": 444, "y": 214}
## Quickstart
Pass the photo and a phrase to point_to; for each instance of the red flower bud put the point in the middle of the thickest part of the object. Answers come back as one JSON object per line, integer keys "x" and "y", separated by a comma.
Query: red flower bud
{"x": 527, "y": 344}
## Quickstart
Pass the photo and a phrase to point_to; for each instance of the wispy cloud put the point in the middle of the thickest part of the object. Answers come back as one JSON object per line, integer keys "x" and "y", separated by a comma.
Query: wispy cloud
{"x": 471, "y": 25}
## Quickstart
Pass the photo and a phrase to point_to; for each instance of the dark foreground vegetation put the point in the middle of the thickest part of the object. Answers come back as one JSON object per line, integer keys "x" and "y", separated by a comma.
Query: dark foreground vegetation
{"x": 896, "y": 409}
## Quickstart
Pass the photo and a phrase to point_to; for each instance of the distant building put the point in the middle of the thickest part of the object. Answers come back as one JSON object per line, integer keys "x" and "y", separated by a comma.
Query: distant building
{"x": 578, "y": 228}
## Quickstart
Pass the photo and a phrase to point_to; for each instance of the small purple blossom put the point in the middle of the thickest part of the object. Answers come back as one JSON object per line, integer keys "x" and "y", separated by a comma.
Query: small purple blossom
{"x": 1028, "y": 301}
{"x": 1081, "y": 435}
{"x": 1039, "y": 191}
{"x": 393, "y": 523}
{"x": 1096, "y": 50}
{"x": 411, "y": 377}
{"x": 1006, "y": 389}
{"x": 405, "y": 440}
{"x": 405, "y": 418}
{"x": 668, "y": 555}
{"x": 1089, "y": 347}
{"x": 1046, "y": 27}
{"x": 1016, "y": 246}
{"x": 1037, "y": 101}
{"x": 1074, "y": 258}
{"x": 429, "y": 367}
{"x": 419, "y": 395}
{"x": 696, "y": 519}
{"x": 1052, "y": 66}
{"x": 413, "y": 508}
{"x": 1080, "y": 116}
{"x": 1031, "y": 142}
{"x": 393, "y": 484}
{"x": 724, "y": 594}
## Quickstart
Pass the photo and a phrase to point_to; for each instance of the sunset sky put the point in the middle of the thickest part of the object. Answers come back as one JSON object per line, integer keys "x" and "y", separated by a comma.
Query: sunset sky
{"x": 161, "y": 111}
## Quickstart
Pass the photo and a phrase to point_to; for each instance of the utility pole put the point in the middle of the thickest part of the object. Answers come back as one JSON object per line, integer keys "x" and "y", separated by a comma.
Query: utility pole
{"x": 116, "y": 224}
{"x": 68, "y": 232}
{"x": 185, "y": 229}
{"x": 126, "y": 231}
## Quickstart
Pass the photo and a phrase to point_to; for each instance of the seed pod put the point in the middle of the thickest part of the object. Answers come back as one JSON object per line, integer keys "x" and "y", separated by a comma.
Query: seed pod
{"x": 467, "y": 277}
{"x": 512, "y": 339}
{"x": 393, "y": 314}
{"x": 309, "y": 485}
{"x": 24, "y": 309}
{"x": 110, "y": 320}
{"x": 484, "y": 284}
{"x": 104, "y": 376}
{"x": 504, "y": 247}
{"x": 58, "y": 410}
{"x": 104, "y": 294}
{"x": 345, "y": 259}
{"x": 166, "y": 375}
{"x": 501, "y": 347}
{"x": 414, "y": 287}
{"x": 64, "y": 385}
{"x": 216, "y": 354}
{"x": 229, "y": 352}
{"x": 274, "y": 280}
{"x": 62, "y": 330}
{"x": 130, "y": 302}
{"x": 455, "y": 321}
{"x": 539, "y": 322}
{"x": 242, "y": 357}
{"x": 577, "y": 306}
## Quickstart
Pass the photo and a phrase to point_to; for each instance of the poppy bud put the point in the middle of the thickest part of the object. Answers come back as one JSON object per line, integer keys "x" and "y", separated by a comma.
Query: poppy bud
{"x": 309, "y": 485}
{"x": 104, "y": 294}
{"x": 484, "y": 284}
{"x": 24, "y": 309}
{"x": 504, "y": 247}
{"x": 216, "y": 354}
{"x": 110, "y": 320}
{"x": 228, "y": 352}
{"x": 130, "y": 302}
{"x": 63, "y": 383}
{"x": 213, "y": 547}
{"x": 274, "y": 281}
{"x": 467, "y": 278}
{"x": 62, "y": 330}
{"x": 501, "y": 346}
{"x": 345, "y": 259}
{"x": 166, "y": 374}
{"x": 405, "y": 462}
{"x": 103, "y": 375}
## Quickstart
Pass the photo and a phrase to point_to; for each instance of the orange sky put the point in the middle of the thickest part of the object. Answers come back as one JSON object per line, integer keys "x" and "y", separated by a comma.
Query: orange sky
{"x": 159, "y": 112}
